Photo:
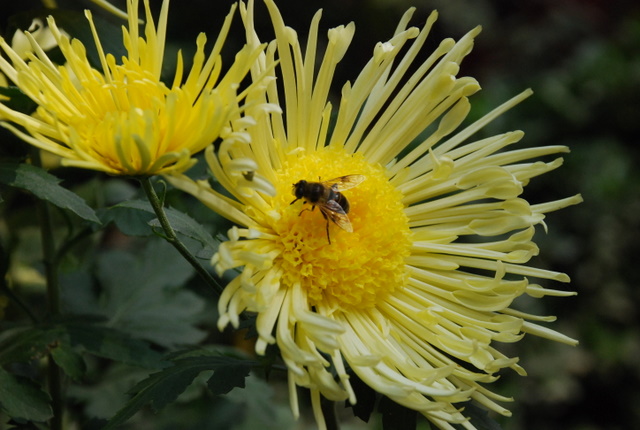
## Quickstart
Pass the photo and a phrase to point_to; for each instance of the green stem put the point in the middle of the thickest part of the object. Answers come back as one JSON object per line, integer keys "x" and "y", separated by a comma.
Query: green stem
{"x": 48, "y": 252}
{"x": 49, "y": 258}
{"x": 53, "y": 297}
{"x": 172, "y": 238}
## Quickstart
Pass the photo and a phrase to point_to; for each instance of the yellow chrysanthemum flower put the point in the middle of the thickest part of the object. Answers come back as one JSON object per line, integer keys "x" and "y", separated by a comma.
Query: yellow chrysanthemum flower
{"x": 413, "y": 299}
{"x": 123, "y": 119}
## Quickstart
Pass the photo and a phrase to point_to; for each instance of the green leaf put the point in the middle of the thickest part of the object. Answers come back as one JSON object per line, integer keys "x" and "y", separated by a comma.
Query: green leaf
{"x": 22, "y": 399}
{"x": 132, "y": 217}
{"x": 226, "y": 378}
{"x": 22, "y": 345}
{"x": 69, "y": 361}
{"x": 187, "y": 226}
{"x": 63, "y": 339}
{"x": 164, "y": 387}
{"x": 114, "y": 344}
{"x": 45, "y": 186}
{"x": 261, "y": 407}
{"x": 106, "y": 396}
{"x": 137, "y": 218}
{"x": 145, "y": 295}
{"x": 156, "y": 390}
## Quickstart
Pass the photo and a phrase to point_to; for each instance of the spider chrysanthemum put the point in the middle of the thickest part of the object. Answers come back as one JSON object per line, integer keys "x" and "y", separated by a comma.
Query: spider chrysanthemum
{"x": 121, "y": 118}
{"x": 414, "y": 298}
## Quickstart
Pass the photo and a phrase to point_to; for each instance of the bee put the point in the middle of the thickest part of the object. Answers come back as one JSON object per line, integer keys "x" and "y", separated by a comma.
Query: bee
{"x": 327, "y": 195}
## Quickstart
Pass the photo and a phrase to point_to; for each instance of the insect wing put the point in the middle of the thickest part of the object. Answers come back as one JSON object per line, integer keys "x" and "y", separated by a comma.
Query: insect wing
{"x": 344, "y": 182}
{"x": 334, "y": 212}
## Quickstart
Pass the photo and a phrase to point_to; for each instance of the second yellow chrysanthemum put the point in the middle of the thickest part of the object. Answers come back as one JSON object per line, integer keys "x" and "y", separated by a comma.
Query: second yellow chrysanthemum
{"x": 122, "y": 119}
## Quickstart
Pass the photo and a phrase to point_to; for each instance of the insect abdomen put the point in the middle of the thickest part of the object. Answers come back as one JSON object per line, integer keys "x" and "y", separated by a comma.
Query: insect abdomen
{"x": 343, "y": 202}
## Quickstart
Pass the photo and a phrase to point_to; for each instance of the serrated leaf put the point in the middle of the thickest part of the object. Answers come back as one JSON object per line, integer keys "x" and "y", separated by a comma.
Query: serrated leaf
{"x": 45, "y": 186}
{"x": 157, "y": 391}
{"x": 131, "y": 217}
{"x": 145, "y": 298}
{"x": 208, "y": 350}
{"x": 104, "y": 398}
{"x": 137, "y": 218}
{"x": 187, "y": 226}
{"x": 21, "y": 398}
{"x": 226, "y": 378}
{"x": 164, "y": 387}
{"x": 62, "y": 338}
{"x": 114, "y": 344}
{"x": 69, "y": 361}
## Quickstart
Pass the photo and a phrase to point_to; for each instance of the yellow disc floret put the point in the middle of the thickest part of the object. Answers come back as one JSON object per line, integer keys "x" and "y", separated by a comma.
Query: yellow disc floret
{"x": 349, "y": 269}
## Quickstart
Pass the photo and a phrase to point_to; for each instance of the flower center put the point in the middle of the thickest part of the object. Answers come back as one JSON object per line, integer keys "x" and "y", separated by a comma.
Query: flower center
{"x": 341, "y": 268}
{"x": 118, "y": 113}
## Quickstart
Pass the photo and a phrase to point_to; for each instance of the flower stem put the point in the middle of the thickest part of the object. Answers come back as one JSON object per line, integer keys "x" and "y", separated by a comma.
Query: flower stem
{"x": 172, "y": 238}
{"x": 49, "y": 258}
{"x": 53, "y": 297}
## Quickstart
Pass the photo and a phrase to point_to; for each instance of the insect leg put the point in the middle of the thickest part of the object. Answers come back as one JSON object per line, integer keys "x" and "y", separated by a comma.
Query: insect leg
{"x": 307, "y": 209}
{"x": 326, "y": 219}
{"x": 328, "y": 237}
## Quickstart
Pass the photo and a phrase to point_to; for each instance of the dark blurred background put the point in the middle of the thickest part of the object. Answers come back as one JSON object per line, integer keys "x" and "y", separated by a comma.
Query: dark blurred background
{"x": 582, "y": 59}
